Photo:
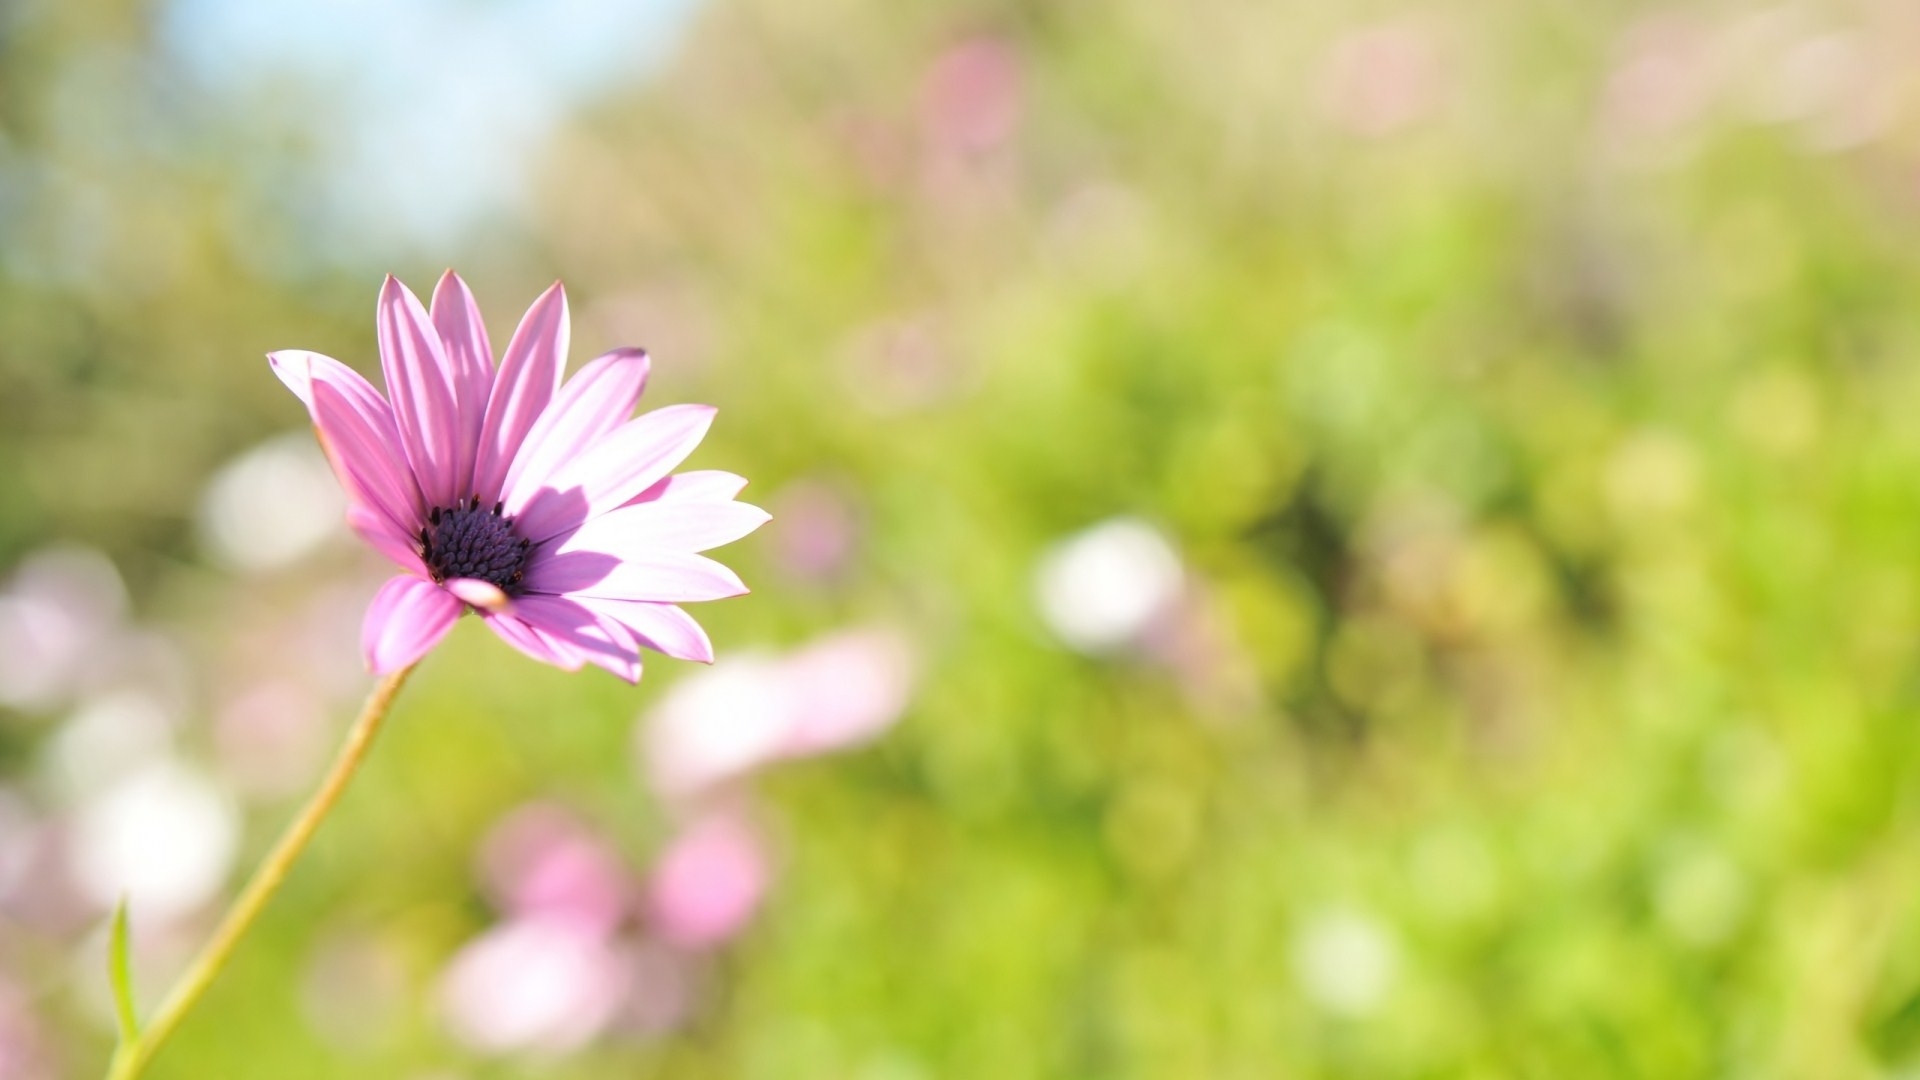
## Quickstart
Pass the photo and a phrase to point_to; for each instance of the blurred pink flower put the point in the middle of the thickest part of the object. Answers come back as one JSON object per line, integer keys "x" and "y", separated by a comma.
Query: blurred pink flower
{"x": 971, "y": 99}
{"x": 820, "y": 528}
{"x": 838, "y": 692}
{"x": 541, "y": 507}
{"x": 61, "y": 616}
{"x": 24, "y": 1054}
{"x": 534, "y": 984}
{"x": 1384, "y": 78}
{"x": 709, "y": 882}
{"x": 271, "y": 738}
{"x": 541, "y": 863}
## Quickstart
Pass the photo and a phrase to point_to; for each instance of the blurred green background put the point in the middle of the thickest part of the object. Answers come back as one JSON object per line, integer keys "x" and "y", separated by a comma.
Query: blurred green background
{"x": 1393, "y": 528}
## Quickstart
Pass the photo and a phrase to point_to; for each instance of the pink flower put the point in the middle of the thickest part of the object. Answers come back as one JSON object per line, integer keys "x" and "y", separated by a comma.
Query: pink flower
{"x": 539, "y": 862}
{"x": 836, "y": 693}
{"x": 541, "y": 507}
{"x": 534, "y": 984}
{"x": 709, "y": 882}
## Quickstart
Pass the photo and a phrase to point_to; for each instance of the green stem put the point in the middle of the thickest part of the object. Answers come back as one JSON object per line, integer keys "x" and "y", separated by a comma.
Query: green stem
{"x": 132, "y": 1057}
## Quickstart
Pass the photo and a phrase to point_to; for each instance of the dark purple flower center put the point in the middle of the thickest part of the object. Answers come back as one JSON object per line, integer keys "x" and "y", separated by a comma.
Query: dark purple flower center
{"x": 471, "y": 541}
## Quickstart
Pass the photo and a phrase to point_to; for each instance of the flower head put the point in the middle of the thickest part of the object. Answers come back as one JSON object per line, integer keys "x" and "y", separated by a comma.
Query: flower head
{"x": 496, "y": 489}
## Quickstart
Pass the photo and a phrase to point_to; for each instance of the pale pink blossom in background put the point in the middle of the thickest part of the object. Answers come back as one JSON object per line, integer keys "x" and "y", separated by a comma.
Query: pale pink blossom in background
{"x": 1382, "y": 79}
{"x": 749, "y": 711}
{"x": 819, "y": 529}
{"x": 534, "y": 984}
{"x": 901, "y": 365}
{"x": 61, "y": 617}
{"x": 541, "y": 862}
{"x": 667, "y": 984}
{"x": 272, "y": 738}
{"x": 971, "y": 99}
{"x": 709, "y": 881}
{"x": 1664, "y": 78}
{"x": 24, "y": 1051}
{"x": 585, "y": 945}
{"x": 541, "y": 507}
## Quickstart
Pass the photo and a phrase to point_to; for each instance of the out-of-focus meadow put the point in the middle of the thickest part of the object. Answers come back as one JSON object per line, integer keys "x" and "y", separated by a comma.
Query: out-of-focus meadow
{"x": 1310, "y": 540}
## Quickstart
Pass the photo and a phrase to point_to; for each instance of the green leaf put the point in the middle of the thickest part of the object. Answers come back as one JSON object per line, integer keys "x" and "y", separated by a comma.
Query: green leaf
{"x": 120, "y": 971}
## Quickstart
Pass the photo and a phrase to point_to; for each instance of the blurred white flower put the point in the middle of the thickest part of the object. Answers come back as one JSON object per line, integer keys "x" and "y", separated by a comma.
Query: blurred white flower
{"x": 164, "y": 837}
{"x": 1104, "y": 587}
{"x": 109, "y": 737}
{"x": 1345, "y": 961}
{"x": 534, "y": 984}
{"x": 747, "y": 711}
{"x": 272, "y": 506}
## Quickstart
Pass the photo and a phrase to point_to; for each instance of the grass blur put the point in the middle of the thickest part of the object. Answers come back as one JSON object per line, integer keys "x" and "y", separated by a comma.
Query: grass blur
{"x": 1526, "y": 393}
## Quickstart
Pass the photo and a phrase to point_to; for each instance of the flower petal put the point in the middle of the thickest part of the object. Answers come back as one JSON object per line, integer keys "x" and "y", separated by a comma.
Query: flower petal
{"x": 522, "y": 389}
{"x": 707, "y": 485}
{"x": 618, "y": 467}
{"x": 300, "y": 369}
{"x": 408, "y": 617}
{"x": 293, "y": 367}
{"x": 484, "y": 595}
{"x": 514, "y": 631}
{"x": 600, "y": 640}
{"x": 676, "y": 525}
{"x": 661, "y": 627}
{"x": 470, "y": 360}
{"x": 595, "y": 401}
{"x": 421, "y": 384}
{"x": 380, "y": 534}
{"x": 669, "y": 577}
{"x": 363, "y": 445}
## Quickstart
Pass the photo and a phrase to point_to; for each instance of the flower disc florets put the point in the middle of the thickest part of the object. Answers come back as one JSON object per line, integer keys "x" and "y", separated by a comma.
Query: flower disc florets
{"x": 471, "y": 541}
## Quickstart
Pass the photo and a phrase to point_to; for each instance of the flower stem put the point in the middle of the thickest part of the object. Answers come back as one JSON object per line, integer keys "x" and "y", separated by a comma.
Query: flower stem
{"x": 131, "y": 1058}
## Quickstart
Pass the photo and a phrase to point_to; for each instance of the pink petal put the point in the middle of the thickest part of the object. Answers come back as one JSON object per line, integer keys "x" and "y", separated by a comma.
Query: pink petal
{"x": 706, "y": 485}
{"x": 615, "y": 469}
{"x": 373, "y": 527}
{"x": 661, "y": 627}
{"x": 358, "y": 417}
{"x": 514, "y": 631}
{"x": 677, "y": 525}
{"x": 300, "y": 369}
{"x": 362, "y": 444}
{"x": 600, "y": 640}
{"x": 670, "y": 577}
{"x": 408, "y": 616}
{"x": 484, "y": 595}
{"x": 421, "y": 384}
{"x": 470, "y": 359}
{"x": 292, "y": 366}
{"x": 596, "y": 400}
{"x": 522, "y": 390}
